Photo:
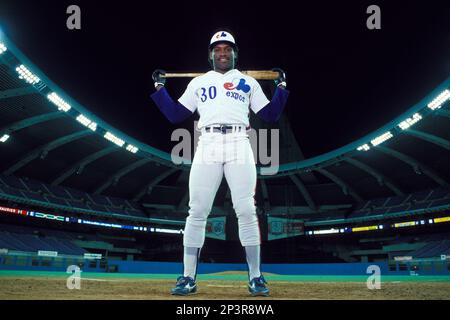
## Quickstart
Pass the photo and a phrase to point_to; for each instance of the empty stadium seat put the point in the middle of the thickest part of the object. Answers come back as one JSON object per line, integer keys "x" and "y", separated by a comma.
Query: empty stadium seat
{"x": 55, "y": 200}
{"x": 33, "y": 185}
{"x": 419, "y": 196}
{"x": 398, "y": 208}
{"x": 420, "y": 205}
{"x": 58, "y": 191}
{"x": 77, "y": 204}
{"x": 117, "y": 202}
{"x": 13, "y": 182}
{"x": 76, "y": 194}
{"x": 440, "y": 193}
{"x": 442, "y": 202}
{"x": 100, "y": 200}
{"x": 12, "y": 191}
{"x": 426, "y": 251}
{"x": 395, "y": 201}
{"x": 34, "y": 196}
{"x": 377, "y": 203}
{"x": 23, "y": 239}
{"x": 133, "y": 205}
{"x": 97, "y": 207}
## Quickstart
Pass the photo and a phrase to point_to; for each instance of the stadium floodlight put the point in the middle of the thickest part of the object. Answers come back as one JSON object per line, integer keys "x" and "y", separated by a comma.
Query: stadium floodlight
{"x": 367, "y": 228}
{"x": 2, "y": 47}
{"x": 4, "y": 138}
{"x": 380, "y": 139}
{"x": 109, "y": 136}
{"x": 27, "y": 75}
{"x": 326, "y": 231}
{"x": 364, "y": 147}
{"x": 405, "y": 224}
{"x": 132, "y": 148}
{"x": 87, "y": 122}
{"x": 59, "y": 102}
{"x": 441, "y": 219}
{"x": 162, "y": 230}
{"x": 439, "y": 100}
{"x": 410, "y": 121}
{"x": 93, "y": 126}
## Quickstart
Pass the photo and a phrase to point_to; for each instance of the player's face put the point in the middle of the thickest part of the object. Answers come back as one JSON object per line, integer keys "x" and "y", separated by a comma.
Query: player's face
{"x": 223, "y": 57}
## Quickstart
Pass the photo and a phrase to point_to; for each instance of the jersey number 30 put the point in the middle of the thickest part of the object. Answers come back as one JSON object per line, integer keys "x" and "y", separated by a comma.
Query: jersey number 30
{"x": 212, "y": 93}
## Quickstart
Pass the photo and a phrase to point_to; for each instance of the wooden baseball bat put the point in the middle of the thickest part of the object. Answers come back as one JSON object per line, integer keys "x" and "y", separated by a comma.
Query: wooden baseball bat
{"x": 257, "y": 74}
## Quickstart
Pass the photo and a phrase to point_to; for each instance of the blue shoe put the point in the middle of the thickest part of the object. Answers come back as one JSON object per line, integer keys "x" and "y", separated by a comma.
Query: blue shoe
{"x": 257, "y": 287}
{"x": 184, "y": 286}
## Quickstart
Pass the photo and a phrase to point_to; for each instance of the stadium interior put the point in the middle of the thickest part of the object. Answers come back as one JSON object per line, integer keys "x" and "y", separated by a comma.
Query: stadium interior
{"x": 73, "y": 189}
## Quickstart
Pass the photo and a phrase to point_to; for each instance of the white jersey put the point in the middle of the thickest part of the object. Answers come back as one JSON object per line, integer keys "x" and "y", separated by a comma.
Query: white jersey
{"x": 223, "y": 98}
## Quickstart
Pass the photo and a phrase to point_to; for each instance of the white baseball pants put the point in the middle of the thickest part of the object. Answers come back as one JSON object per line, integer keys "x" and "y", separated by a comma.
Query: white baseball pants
{"x": 218, "y": 154}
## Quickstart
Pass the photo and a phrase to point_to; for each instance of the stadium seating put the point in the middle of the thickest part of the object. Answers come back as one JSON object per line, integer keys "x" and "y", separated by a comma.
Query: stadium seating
{"x": 58, "y": 191}
{"x": 69, "y": 198}
{"x": 56, "y": 196}
{"x": 399, "y": 204}
{"x": 24, "y": 239}
{"x": 427, "y": 246}
{"x": 433, "y": 249}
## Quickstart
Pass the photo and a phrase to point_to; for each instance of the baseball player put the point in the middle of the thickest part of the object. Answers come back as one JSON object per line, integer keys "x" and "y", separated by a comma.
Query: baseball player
{"x": 222, "y": 97}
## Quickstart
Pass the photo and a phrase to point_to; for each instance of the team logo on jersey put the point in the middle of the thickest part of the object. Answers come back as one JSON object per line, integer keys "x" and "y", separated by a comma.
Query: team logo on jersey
{"x": 239, "y": 86}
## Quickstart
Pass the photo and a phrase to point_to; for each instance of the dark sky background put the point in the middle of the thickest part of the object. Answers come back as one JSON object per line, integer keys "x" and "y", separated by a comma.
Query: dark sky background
{"x": 345, "y": 80}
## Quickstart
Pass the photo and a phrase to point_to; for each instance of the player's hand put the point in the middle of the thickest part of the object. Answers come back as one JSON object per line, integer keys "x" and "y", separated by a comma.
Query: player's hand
{"x": 281, "y": 81}
{"x": 157, "y": 77}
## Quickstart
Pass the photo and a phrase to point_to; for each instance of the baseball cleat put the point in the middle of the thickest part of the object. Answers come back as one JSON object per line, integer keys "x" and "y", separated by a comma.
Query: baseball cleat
{"x": 257, "y": 287}
{"x": 184, "y": 286}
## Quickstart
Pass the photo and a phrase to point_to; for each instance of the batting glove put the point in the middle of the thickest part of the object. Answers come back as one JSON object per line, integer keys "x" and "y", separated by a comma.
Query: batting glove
{"x": 281, "y": 81}
{"x": 157, "y": 77}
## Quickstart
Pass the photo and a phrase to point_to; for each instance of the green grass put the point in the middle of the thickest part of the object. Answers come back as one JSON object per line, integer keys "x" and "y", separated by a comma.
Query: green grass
{"x": 235, "y": 277}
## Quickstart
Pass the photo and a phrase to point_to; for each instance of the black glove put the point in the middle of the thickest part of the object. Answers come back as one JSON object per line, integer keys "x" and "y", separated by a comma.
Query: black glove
{"x": 281, "y": 81}
{"x": 157, "y": 77}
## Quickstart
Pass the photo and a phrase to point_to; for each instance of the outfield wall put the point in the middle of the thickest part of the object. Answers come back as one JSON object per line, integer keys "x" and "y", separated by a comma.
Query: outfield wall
{"x": 120, "y": 266}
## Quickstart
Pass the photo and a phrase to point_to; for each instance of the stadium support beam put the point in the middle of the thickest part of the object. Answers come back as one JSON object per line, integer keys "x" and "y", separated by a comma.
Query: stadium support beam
{"x": 43, "y": 150}
{"x": 18, "y": 92}
{"x": 227, "y": 199}
{"x": 149, "y": 187}
{"x": 304, "y": 191}
{"x": 346, "y": 189}
{"x": 382, "y": 179}
{"x": 429, "y": 137}
{"x": 416, "y": 165}
{"x": 265, "y": 194}
{"x": 80, "y": 165}
{"x": 184, "y": 201}
{"x": 444, "y": 113}
{"x": 28, "y": 122}
{"x": 114, "y": 179}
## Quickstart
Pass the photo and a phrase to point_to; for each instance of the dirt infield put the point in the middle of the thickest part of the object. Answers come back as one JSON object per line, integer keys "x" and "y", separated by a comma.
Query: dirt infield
{"x": 54, "y": 288}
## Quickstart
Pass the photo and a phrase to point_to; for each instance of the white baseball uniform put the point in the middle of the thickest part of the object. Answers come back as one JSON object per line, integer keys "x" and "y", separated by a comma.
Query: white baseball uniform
{"x": 223, "y": 99}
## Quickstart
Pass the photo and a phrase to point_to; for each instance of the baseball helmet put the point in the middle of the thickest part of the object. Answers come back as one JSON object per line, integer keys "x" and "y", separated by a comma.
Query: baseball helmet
{"x": 222, "y": 37}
